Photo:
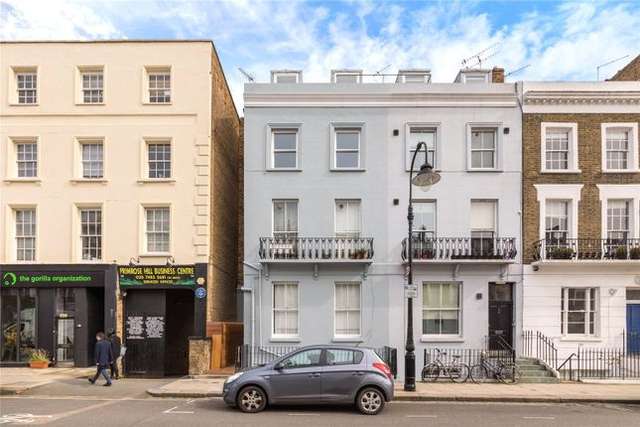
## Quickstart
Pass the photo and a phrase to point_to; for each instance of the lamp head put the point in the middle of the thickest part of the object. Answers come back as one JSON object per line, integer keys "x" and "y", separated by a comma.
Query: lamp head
{"x": 426, "y": 177}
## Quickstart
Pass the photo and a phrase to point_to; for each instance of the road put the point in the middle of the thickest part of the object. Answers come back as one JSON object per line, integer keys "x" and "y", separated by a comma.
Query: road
{"x": 79, "y": 405}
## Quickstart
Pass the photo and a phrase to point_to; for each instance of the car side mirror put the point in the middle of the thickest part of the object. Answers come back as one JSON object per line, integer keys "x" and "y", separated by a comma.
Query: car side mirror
{"x": 278, "y": 366}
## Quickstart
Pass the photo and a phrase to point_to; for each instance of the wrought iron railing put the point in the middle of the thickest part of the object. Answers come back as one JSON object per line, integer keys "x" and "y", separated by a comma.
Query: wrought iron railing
{"x": 536, "y": 344}
{"x": 316, "y": 248}
{"x": 248, "y": 356}
{"x": 470, "y": 356}
{"x": 586, "y": 249}
{"x": 459, "y": 248}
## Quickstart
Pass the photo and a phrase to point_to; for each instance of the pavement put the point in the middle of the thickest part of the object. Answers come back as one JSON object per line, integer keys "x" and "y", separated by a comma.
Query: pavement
{"x": 200, "y": 387}
{"x": 21, "y": 380}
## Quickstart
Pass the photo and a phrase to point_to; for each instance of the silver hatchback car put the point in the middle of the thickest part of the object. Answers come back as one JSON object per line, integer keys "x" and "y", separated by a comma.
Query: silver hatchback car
{"x": 314, "y": 375}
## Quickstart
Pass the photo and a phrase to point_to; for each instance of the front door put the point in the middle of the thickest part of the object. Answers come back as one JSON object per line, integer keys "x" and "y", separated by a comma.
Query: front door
{"x": 299, "y": 378}
{"x": 500, "y": 315}
{"x": 65, "y": 337}
{"x": 633, "y": 328}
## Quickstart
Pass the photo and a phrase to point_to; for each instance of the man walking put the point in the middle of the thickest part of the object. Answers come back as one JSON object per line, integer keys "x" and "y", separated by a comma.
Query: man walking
{"x": 104, "y": 359}
{"x": 116, "y": 348}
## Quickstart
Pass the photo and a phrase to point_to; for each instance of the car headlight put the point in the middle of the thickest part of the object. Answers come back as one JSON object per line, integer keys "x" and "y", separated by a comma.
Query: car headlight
{"x": 234, "y": 377}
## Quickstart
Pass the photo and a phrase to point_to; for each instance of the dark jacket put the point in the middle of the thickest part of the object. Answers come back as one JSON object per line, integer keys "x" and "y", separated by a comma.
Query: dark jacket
{"x": 116, "y": 346}
{"x": 103, "y": 354}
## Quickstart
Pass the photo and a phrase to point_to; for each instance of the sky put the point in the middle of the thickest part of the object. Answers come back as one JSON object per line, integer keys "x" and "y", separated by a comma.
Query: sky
{"x": 554, "y": 40}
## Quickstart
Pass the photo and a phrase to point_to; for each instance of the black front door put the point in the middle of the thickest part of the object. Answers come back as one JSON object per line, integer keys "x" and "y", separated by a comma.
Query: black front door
{"x": 144, "y": 335}
{"x": 500, "y": 315}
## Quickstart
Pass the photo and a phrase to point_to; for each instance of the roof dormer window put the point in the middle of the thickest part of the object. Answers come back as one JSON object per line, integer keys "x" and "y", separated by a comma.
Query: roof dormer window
{"x": 413, "y": 76}
{"x": 346, "y": 76}
{"x": 286, "y": 76}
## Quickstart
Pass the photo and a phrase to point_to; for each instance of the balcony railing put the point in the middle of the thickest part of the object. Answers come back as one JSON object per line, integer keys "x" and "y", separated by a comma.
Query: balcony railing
{"x": 586, "y": 249}
{"x": 316, "y": 249}
{"x": 460, "y": 248}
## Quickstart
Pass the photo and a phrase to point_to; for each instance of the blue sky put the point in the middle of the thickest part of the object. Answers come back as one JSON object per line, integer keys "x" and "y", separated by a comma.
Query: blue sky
{"x": 558, "y": 39}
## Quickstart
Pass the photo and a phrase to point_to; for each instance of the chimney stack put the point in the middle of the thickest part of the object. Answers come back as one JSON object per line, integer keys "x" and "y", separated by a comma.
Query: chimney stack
{"x": 497, "y": 75}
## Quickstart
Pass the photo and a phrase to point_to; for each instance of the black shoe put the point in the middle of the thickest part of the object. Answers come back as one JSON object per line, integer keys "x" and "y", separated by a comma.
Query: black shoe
{"x": 91, "y": 381}
{"x": 106, "y": 385}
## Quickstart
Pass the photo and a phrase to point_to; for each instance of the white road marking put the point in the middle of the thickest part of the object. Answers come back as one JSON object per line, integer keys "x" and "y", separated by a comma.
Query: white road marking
{"x": 21, "y": 418}
{"x": 421, "y": 416}
{"x": 171, "y": 411}
{"x": 538, "y": 418}
{"x": 303, "y": 414}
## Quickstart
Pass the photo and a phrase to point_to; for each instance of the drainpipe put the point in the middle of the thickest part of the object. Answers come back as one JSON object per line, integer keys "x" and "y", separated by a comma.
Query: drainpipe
{"x": 253, "y": 309}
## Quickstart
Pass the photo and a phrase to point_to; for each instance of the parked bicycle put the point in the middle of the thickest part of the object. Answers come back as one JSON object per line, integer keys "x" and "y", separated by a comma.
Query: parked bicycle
{"x": 457, "y": 371}
{"x": 494, "y": 368}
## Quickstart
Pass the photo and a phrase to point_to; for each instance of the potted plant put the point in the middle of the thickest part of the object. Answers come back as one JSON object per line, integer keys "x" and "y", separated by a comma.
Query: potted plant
{"x": 634, "y": 253}
{"x": 39, "y": 359}
{"x": 621, "y": 252}
{"x": 560, "y": 253}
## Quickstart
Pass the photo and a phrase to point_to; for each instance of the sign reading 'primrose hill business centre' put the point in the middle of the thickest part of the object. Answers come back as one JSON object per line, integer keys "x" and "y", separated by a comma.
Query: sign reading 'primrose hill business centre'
{"x": 157, "y": 275}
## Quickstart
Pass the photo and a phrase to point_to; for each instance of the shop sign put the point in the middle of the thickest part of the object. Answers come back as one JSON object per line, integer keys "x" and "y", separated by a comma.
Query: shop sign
{"x": 143, "y": 327}
{"x": 157, "y": 275}
{"x": 51, "y": 278}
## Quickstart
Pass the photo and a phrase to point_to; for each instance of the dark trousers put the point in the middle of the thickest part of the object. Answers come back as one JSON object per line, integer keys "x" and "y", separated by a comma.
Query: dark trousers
{"x": 115, "y": 373}
{"x": 102, "y": 369}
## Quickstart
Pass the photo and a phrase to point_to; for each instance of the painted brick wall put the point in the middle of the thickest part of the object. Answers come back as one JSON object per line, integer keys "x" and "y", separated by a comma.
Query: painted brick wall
{"x": 225, "y": 221}
{"x": 590, "y": 163}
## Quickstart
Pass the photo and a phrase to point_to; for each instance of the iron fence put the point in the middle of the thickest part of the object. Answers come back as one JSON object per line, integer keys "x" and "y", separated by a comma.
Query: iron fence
{"x": 249, "y": 356}
{"x": 537, "y": 345}
{"x": 425, "y": 247}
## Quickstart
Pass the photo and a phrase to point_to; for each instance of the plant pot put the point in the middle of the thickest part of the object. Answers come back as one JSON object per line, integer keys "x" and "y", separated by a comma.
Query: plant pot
{"x": 39, "y": 364}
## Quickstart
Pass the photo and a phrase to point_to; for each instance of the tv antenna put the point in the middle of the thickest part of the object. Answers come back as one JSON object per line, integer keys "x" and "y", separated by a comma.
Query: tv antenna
{"x": 379, "y": 72}
{"x": 248, "y": 75}
{"x": 478, "y": 58}
{"x": 517, "y": 70}
{"x": 607, "y": 63}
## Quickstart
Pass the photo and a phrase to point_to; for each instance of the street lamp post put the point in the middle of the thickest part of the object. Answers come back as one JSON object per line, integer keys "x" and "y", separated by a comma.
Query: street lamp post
{"x": 425, "y": 178}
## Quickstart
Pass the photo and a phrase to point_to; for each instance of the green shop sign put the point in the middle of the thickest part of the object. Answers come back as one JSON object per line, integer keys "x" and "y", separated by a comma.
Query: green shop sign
{"x": 157, "y": 275}
{"x": 51, "y": 278}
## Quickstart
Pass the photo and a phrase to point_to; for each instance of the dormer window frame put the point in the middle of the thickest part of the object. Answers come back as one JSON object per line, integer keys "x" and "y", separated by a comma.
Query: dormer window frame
{"x": 403, "y": 74}
{"x": 335, "y": 74}
{"x": 486, "y": 75}
{"x": 275, "y": 74}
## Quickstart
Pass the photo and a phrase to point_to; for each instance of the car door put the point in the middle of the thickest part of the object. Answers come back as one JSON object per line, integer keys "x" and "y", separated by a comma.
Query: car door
{"x": 342, "y": 374}
{"x": 299, "y": 377}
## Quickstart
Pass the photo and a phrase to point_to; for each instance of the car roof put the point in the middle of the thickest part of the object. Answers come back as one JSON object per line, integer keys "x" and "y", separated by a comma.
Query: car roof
{"x": 339, "y": 346}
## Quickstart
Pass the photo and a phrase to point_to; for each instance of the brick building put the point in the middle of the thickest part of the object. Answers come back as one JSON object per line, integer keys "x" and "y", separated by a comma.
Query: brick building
{"x": 630, "y": 72}
{"x": 581, "y": 211}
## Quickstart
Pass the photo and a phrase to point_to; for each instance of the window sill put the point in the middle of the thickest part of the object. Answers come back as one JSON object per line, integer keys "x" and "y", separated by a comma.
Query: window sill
{"x": 156, "y": 180}
{"x": 157, "y": 103}
{"x": 25, "y": 180}
{"x": 354, "y": 339}
{"x": 16, "y": 104}
{"x": 284, "y": 170}
{"x": 569, "y": 171}
{"x": 441, "y": 339}
{"x": 156, "y": 255}
{"x": 89, "y": 181}
{"x": 485, "y": 170}
{"x": 580, "y": 338}
{"x": 91, "y": 103}
{"x": 285, "y": 339}
{"x": 348, "y": 170}
{"x": 621, "y": 171}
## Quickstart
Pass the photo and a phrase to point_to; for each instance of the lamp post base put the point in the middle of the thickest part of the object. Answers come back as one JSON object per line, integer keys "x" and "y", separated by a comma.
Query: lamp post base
{"x": 409, "y": 371}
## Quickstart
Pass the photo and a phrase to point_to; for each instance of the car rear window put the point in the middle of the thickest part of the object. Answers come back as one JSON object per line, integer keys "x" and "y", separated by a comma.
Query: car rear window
{"x": 336, "y": 356}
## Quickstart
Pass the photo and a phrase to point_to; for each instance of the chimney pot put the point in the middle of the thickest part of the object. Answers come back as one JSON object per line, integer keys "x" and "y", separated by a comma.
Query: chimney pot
{"x": 497, "y": 75}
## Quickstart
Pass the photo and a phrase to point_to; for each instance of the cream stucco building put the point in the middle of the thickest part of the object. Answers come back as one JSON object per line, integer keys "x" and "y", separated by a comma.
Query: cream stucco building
{"x": 115, "y": 153}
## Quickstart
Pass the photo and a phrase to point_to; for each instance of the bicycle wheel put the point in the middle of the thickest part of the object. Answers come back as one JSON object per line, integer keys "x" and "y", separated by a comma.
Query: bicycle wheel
{"x": 503, "y": 374}
{"x": 478, "y": 373}
{"x": 459, "y": 373}
{"x": 510, "y": 374}
{"x": 431, "y": 372}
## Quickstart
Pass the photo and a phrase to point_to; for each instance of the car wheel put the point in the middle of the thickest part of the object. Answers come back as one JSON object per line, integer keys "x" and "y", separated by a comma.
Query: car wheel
{"x": 251, "y": 399}
{"x": 370, "y": 401}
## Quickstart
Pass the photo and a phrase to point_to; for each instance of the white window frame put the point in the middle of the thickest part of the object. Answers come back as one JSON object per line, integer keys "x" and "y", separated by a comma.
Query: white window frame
{"x": 344, "y": 128}
{"x": 433, "y": 202}
{"x": 143, "y": 250}
{"x": 272, "y": 129}
{"x": 473, "y": 77}
{"x": 273, "y": 216}
{"x": 336, "y": 74}
{"x": 77, "y": 231}
{"x": 482, "y": 238}
{"x": 89, "y": 69}
{"x": 437, "y": 155}
{"x": 497, "y": 156}
{"x": 13, "y": 210}
{"x": 460, "y": 310}
{"x": 569, "y": 192}
{"x": 568, "y": 230}
{"x": 149, "y": 70}
{"x": 573, "y": 157}
{"x": 78, "y": 166}
{"x": 565, "y": 310}
{"x": 346, "y": 234}
{"x": 276, "y": 74}
{"x": 13, "y": 158}
{"x": 634, "y": 147}
{"x": 630, "y": 192}
{"x": 413, "y": 77}
{"x": 284, "y": 337}
{"x": 347, "y": 337}
{"x": 14, "y": 98}
{"x": 144, "y": 159}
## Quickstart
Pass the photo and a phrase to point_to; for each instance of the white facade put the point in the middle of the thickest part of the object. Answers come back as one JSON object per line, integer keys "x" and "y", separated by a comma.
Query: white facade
{"x": 120, "y": 128}
{"x": 329, "y": 147}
